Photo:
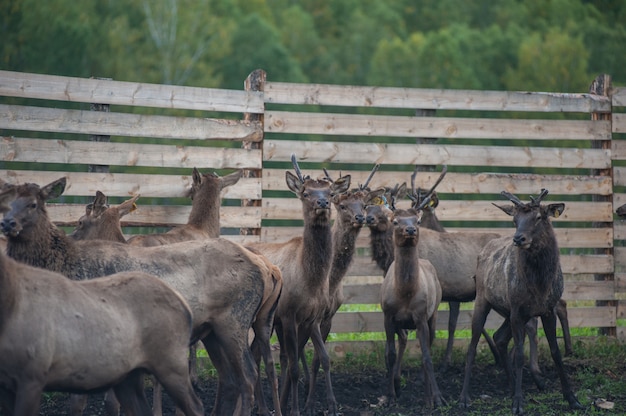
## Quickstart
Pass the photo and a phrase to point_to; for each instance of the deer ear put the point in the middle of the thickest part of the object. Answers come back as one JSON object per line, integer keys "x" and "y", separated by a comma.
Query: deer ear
{"x": 555, "y": 210}
{"x": 231, "y": 179}
{"x": 508, "y": 209}
{"x": 293, "y": 183}
{"x": 54, "y": 189}
{"x": 128, "y": 206}
{"x": 342, "y": 184}
{"x": 374, "y": 197}
{"x": 196, "y": 176}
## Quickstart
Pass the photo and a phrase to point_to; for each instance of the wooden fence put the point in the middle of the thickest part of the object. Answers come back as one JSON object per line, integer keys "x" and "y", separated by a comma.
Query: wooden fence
{"x": 146, "y": 138}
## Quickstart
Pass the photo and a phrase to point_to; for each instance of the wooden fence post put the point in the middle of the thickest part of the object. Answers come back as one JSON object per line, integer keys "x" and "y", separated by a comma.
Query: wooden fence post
{"x": 601, "y": 85}
{"x": 254, "y": 82}
{"x": 99, "y": 138}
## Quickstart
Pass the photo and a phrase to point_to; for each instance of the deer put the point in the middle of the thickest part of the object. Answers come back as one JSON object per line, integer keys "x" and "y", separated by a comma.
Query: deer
{"x": 49, "y": 326}
{"x": 104, "y": 222}
{"x": 454, "y": 271}
{"x": 431, "y": 221}
{"x": 410, "y": 295}
{"x": 520, "y": 277}
{"x": 350, "y": 210}
{"x": 305, "y": 262}
{"x": 223, "y": 282}
{"x": 204, "y": 218}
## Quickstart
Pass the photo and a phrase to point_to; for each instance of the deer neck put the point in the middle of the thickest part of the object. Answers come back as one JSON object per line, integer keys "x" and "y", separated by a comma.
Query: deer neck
{"x": 406, "y": 265}
{"x": 381, "y": 243}
{"x": 541, "y": 263}
{"x": 344, "y": 243}
{"x": 316, "y": 253}
{"x": 205, "y": 211}
{"x": 47, "y": 248}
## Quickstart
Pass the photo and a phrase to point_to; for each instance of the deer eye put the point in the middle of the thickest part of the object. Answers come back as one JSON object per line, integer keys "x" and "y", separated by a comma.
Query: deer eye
{"x": 343, "y": 207}
{"x": 33, "y": 205}
{"x": 305, "y": 194}
{"x": 395, "y": 222}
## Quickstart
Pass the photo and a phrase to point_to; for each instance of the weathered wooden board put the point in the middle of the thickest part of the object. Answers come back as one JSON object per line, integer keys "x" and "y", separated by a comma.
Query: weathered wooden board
{"x": 618, "y": 97}
{"x": 291, "y": 208}
{"x": 574, "y": 290}
{"x": 102, "y": 91}
{"x": 159, "y": 215}
{"x": 462, "y": 183}
{"x": 127, "y": 185}
{"x": 567, "y": 237}
{"x": 436, "y": 99}
{"x": 16, "y": 149}
{"x": 15, "y": 117}
{"x": 619, "y": 123}
{"x": 373, "y": 321}
{"x": 435, "y": 127}
{"x": 432, "y": 154}
{"x": 571, "y": 264}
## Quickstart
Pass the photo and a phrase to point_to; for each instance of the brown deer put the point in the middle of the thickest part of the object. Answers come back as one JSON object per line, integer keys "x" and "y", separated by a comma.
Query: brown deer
{"x": 204, "y": 218}
{"x": 103, "y": 222}
{"x": 58, "y": 321}
{"x": 431, "y": 221}
{"x": 350, "y": 209}
{"x": 210, "y": 274}
{"x": 410, "y": 296}
{"x": 305, "y": 262}
{"x": 520, "y": 278}
{"x": 452, "y": 254}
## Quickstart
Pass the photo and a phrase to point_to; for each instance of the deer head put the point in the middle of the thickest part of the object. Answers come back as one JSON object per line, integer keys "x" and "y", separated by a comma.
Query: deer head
{"x": 531, "y": 219}
{"x": 420, "y": 199}
{"x": 315, "y": 194}
{"x": 102, "y": 221}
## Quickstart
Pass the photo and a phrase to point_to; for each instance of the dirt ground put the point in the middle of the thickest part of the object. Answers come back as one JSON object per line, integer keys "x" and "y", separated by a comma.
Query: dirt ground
{"x": 360, "y": 391}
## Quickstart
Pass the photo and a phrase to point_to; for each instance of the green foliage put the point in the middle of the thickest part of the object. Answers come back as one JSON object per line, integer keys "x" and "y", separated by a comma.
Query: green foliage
{"x": 545, "y": 45}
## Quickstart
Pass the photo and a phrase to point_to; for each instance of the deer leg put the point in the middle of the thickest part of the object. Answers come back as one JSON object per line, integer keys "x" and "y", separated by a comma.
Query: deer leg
{"x": 433, "y": 394}
{"x": 533, "y": 342}
{"x": 131, "y": 395}
{"x": 176, "y": 381}
{"x": 227, "y": 388}
{"x": 290, "y": 382}
{"x": 28, "y": 398}
{"x": 315, "y": 363}
{"x": 111, "y": 404}
{"x": 452, "y": 322}
{"x": 481, "y": 309}
{"x": 78, "y": 402}
{"x": 390, "y": 358}
{"x": 549, "y": 326}
{"x": 320, "y": 351}
{"x": 518, "y": 330}
{"x": 561, "y": 311}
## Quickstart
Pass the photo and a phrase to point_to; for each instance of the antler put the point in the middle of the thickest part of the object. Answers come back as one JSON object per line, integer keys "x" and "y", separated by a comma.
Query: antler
{"x": 536, "y": 201}
{"x": 413, "y": 195}
{"x": 294, "y": 162}
{"x": 512, "y": 198}
{"x": 369, "y": 178}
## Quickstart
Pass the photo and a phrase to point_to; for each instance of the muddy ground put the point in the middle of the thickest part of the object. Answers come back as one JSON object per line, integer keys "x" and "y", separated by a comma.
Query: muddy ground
{"x": 360, "y": 389}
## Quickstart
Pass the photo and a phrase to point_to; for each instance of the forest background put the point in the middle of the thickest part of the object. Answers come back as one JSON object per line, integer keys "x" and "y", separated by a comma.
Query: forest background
{"x": 529, "y": 45}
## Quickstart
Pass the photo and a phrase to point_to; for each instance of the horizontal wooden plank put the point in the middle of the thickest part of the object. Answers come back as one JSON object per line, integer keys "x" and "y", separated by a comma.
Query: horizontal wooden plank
{"x": 430, "y": 154}
{"x": 619, "y": 123}
{"x": 16, "y": 149}
{"x": 567, "y": 237}
{"x": 359, "y": 322}
{"x": 620, "y": 258}
{"x": 618, "y": 97}
{"x": 423, "y": 98}
{"x": 159, "y": 215}
{"x": 574, "y": 290}
{"x": 436, "y": 127}
{"x": 618, "y": 149}
{"x": 128, "y": 185}
{"x": 15, "y": 117}
{"x": 619, "y": 176}
{"x": 291, "y": 209}
{"x": 571, "y": 264}
{"x": 464, "y": 183}
{"x": 102, "y": 91}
